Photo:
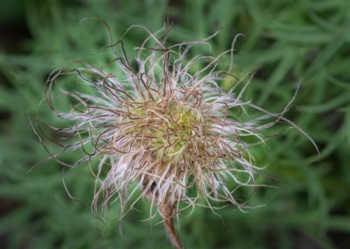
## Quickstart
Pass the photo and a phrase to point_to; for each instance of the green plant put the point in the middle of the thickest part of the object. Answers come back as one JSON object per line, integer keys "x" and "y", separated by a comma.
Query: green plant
{"x": 285, "y": 42}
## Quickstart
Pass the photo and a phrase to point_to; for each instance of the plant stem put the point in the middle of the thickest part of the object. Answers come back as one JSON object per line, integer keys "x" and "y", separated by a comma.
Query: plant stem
{"x": 167, "y": 210}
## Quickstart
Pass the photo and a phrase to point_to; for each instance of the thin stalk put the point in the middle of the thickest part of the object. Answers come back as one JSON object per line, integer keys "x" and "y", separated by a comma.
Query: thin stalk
{"x": 167, "y": 211}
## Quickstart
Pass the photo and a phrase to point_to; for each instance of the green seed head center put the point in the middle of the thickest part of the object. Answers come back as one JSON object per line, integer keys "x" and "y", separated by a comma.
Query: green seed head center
{"x": 166, "y": 129}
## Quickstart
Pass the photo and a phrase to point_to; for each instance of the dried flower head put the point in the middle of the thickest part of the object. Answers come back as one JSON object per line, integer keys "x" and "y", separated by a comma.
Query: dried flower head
{"x": 162, "y": 126}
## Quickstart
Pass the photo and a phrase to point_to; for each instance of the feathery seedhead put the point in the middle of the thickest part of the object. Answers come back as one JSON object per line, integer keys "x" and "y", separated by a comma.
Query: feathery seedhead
{"x": 162, "y": 126}
{"x": 163, "y": 129}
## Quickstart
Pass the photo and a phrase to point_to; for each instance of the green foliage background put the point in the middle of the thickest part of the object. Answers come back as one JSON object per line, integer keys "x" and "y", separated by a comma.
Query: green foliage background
{"x": 285, "y": 42}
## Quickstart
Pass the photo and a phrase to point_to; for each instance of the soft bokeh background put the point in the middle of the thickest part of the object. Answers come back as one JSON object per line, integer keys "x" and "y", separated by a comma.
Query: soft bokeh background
{"x": 285, "y": 42}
